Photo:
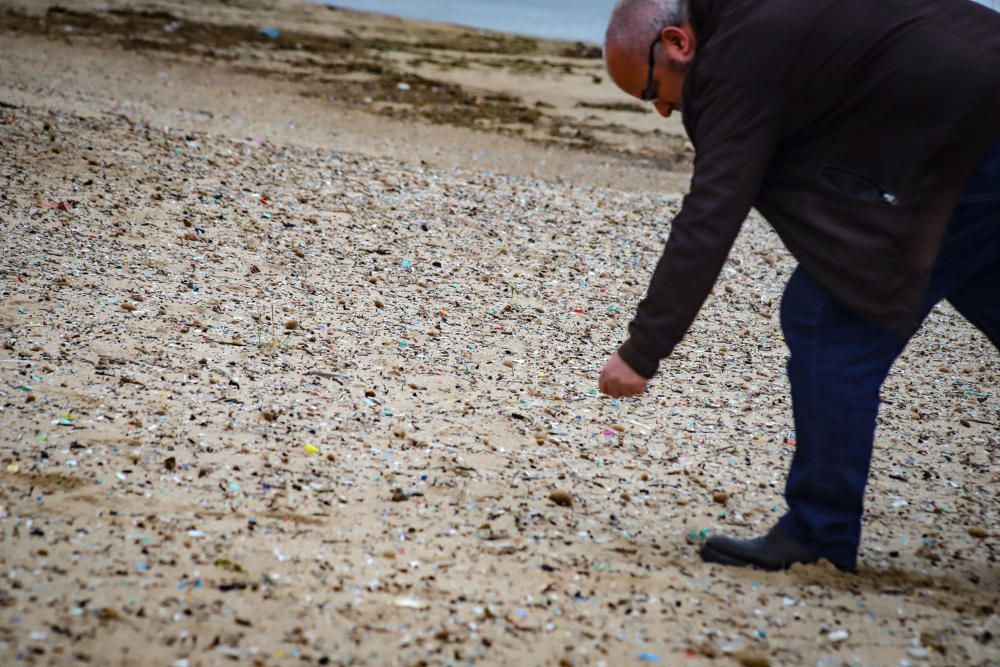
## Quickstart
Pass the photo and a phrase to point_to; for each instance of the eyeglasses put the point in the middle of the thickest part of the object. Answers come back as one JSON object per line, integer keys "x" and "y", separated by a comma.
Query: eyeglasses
{"x": 649, "y": 94}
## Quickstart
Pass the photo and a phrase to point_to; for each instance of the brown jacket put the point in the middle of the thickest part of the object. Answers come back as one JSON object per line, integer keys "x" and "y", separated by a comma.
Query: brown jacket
{"x": 851, "y": 125}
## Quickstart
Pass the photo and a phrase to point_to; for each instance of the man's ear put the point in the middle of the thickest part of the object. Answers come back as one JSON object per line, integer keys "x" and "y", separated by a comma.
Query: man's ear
{"x": 679, "y": 42}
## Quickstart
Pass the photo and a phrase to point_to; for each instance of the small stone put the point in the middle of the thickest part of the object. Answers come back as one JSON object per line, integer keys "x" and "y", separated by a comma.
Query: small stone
{"x": 838, "y": 635}
{"x": 292, "y": 325}
{"x": 170, "y": 464}
{"x": 720, "y": 497}
{"x": 619, "y": 427}
{"x": 707, "y": 649}
{"x": 509, "y": 363}
{"x": 561, "y": 498}
{"x": 504, "y": 548}
{"x": 935, "y": 642}
{"x": 410, "y": 603}
{"x": 379, "y": 304}
{"x": 753, "y": 660}
{"x": 128, "y": 306}
{"x": 978, "y": 531}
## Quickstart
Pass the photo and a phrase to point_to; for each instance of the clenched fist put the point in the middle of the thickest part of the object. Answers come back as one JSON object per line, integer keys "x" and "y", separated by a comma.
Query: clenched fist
{"x": 619, "y": 380}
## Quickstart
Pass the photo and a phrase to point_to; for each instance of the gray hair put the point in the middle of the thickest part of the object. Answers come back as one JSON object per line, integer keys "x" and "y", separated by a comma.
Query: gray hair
{"x": 636, "y": 22}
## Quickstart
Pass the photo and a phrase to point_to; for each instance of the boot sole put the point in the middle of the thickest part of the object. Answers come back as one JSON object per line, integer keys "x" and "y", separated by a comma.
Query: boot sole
{"x": 710, "y": 555}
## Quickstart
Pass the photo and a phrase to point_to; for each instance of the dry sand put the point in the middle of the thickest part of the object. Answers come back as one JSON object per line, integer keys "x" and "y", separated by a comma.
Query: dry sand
{"x": 292, "y": 377}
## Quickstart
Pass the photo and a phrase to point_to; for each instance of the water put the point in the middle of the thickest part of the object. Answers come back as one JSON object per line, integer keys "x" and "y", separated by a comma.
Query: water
{"x": 578, "y": 20}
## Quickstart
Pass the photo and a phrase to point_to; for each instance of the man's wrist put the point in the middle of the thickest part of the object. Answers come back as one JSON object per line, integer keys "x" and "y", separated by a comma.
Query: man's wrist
{"x": 637, "y": 361}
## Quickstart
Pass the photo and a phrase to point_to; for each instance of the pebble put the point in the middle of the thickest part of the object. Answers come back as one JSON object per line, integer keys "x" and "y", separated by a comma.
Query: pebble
{"x": 410, "y": 603}
{"x": 561, "y": 498}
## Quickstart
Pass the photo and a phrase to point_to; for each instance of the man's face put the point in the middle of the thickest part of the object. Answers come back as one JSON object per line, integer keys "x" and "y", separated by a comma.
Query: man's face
{"x": 629, "y": 68}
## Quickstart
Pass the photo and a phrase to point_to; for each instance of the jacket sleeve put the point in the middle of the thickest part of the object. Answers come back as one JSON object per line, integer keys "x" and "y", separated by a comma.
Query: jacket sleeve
{"x": 735, "y": 131}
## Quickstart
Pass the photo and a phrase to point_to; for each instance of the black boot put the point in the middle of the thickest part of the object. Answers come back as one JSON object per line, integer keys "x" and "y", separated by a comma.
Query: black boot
{"x": 775, "y": 551}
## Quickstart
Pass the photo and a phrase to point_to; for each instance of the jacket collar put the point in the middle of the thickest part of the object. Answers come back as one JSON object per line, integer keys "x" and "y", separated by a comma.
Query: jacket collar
{"x": 704, "y": 16}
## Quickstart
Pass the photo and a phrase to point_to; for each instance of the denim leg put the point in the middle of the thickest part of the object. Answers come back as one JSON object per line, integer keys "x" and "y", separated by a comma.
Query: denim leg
{"x": 979, "y": 301}
{"x": 970, "y": 284}
{"x": 837, "y": 364}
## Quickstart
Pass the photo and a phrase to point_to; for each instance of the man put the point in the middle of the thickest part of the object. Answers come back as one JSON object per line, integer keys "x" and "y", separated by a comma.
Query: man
{"x": 866, "y": 132}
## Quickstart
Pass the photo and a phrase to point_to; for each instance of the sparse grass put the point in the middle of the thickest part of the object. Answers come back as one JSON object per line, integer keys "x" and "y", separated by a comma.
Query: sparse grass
{"x": 269, "y": 340}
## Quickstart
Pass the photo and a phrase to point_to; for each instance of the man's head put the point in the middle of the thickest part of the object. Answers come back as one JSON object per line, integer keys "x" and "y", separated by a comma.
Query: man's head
{"x": 648, "y": 48}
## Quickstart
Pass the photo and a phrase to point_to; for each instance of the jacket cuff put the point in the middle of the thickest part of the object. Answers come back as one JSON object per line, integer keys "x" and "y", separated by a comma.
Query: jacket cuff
{"x": 639, "y": 362}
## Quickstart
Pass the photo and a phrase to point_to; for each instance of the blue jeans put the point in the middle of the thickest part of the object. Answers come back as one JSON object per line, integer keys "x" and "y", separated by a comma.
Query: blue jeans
{"x": 838, "y": 362}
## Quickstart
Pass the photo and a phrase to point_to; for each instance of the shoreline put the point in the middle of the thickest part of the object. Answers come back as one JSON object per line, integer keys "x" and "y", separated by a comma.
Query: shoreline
{"x": 482, "y": 18}
{"x": 491, "y": 83}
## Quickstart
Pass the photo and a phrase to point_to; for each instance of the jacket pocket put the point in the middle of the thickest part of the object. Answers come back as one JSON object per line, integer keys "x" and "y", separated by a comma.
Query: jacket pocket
{"x": 857, "y": 186}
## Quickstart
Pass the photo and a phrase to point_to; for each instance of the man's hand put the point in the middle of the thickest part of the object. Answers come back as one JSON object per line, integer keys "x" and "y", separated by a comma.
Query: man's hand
{"x": 618, "y": 379}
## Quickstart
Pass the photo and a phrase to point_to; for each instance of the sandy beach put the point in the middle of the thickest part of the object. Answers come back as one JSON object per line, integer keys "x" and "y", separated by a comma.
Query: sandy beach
{"x": 302, "y": 312}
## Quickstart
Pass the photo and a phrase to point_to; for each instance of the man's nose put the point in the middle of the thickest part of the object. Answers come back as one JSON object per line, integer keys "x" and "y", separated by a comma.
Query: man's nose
{"x": 664, "y": 108}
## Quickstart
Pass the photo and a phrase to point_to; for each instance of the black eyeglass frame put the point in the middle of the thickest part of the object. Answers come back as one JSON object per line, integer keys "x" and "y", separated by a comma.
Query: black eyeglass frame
{"x": 649, "y": 94}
